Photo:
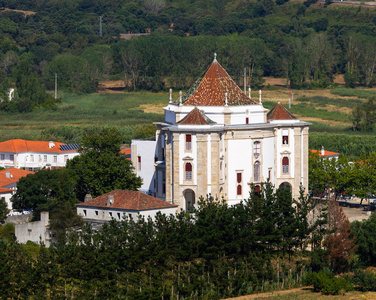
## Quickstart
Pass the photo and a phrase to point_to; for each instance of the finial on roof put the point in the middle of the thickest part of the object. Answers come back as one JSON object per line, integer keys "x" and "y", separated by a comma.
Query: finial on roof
{"x": 215, "y": 57}
{"x": 180, "y": 97}
{"x": 170, "y": 96}
{"x": 249, "y": 93}
{"x": 226, "y": 103}
{"x": 260, "y": 101}
{"x": 279, "y": 102}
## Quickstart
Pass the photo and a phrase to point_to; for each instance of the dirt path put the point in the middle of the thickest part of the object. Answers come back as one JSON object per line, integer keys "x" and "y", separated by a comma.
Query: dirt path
{"x": 270, "y": 294}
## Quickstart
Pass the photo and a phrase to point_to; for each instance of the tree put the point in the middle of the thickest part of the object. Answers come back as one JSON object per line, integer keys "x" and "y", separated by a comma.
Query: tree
{"x": 340, "y": 242}
{"x": 44, "y": 190}
{"x": 101, "y": 168}
{"x": 4, "y": 211}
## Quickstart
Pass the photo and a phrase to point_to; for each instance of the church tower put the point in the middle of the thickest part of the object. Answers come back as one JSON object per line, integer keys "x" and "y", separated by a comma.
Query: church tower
{"x": 217, "y": 140}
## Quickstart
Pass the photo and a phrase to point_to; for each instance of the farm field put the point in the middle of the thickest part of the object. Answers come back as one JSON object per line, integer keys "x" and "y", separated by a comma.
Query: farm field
{"x": 306, "y": 294}
{"x": 329, "y": 111}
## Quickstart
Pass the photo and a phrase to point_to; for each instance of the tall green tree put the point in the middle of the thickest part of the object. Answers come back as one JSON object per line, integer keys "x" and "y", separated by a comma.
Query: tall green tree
{"x": 100, "y": 168}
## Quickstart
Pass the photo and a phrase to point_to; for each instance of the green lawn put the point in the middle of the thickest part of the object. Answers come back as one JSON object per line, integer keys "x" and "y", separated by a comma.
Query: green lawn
{"x": 94, "y": 110}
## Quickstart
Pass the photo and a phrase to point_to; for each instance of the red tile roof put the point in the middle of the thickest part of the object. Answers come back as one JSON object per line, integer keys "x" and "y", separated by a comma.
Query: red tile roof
{"x": 195, "y": 117}
{"x": 15, "y": 175}
{"x": 279, "y": 112}
{"x": 4, "y": 190}
{"x": 129, "y": 200}
{"x": 125, "y": 151}
{"x": 212, "y": 88}
{"x": 17, "y": 145}
{"x": 326, "y": 153}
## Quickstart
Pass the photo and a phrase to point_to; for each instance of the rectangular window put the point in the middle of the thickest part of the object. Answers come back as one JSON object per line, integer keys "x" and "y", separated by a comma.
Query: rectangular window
{"x": 118, "y": 214}
{"x": 246, "y": 120}
{"x": 2, "y": 156}
{"x": 139, "y": 163}
{"x": 85, "y": 212}
{"x": 40, "y": 157}
{"x": 32, "y": 157}
{"x": 44, "y": 158}
{"x": 65, "y": 158}
{"x": 239, "y": 180}
{"x": 110, "y": 214}
{"x": 96, "y": 213}
{"x": 285, "y": 139}
{"x": 55, "y": 158}
{"x": 12, "y": 157}
{"x": 239, "y": 177}
{"x": 188, "y": 142}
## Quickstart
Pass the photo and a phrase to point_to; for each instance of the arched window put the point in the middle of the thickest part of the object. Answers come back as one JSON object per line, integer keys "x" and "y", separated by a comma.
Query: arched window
{"x": 256, "y": 149}
{"x": 285, "y": 165}
{"x": 256, "y": 171}
{"x": 239, "y": 190}
{"x": 188, "y": 171}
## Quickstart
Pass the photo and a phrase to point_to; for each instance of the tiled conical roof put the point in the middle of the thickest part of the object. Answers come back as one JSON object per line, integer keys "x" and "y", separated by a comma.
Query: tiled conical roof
{"x": 195, "y": 117}
{"x": 211, "y": 90}
{"x": 279, "y": 112}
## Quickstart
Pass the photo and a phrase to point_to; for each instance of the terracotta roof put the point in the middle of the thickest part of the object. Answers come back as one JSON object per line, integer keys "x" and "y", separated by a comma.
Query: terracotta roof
{"x": 279, "y": 112}
{"x": 196, "y": 117}
{"x": 126, "y": 152}
{"x": 211, "y": 89}
{"x": 326, "y": 153}
{"x": 31, "y": 146}
{"x": 4, "y": 190}
{"x": 129, "y": 200}
{"x": 15, "y": 175}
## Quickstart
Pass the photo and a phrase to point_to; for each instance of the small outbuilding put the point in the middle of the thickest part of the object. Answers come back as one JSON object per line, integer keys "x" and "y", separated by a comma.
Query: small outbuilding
{"x": 117, "y": 203}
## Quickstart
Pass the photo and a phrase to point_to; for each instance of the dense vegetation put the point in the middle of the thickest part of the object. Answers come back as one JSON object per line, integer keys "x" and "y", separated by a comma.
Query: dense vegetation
{"x": 218, "y": 251}
{"x": 305, "y": 42}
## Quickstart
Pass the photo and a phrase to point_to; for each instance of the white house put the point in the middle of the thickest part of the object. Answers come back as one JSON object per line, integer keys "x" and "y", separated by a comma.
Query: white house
{"x": 8, "y": 183}
{"x": 217, "y": 140}
{"x": 117, "y": 203}
{"x": 325, "y": 154}
{"x": 35, "y": 155}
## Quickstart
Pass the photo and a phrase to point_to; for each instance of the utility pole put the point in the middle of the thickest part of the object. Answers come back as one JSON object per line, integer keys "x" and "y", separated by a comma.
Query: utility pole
{"x": 245, "y": 81}
{"x": 100, "y": 26}
{"x": 55, "y": 86}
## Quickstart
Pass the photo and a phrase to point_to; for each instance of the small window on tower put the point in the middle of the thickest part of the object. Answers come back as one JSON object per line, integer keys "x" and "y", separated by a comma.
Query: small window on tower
{"x": 239, "y": 180}
{"x": 188, "y": 142}
{"x": 285, "y": 165}
{"x": 285, "y": 139}
{"x": 246, "y": 120}
{"x": 256, "y": 149}
{"x": 188, "y": 171}
{"x": 139, "y": 163}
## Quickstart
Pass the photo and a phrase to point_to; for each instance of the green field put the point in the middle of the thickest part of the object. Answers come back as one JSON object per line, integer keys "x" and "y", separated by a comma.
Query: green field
{"x": 78, "y": 112}
{"x": 329, "y": 112}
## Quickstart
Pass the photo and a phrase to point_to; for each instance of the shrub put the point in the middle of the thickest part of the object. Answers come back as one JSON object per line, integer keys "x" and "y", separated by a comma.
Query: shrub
{"x": 365, "y": 281}
{"x": 326, "y": 283}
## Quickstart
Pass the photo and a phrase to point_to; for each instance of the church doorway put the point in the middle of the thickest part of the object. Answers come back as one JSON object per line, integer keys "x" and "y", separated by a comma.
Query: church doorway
{"x": 190, "y": 199}
{"x": 285, "y": 185}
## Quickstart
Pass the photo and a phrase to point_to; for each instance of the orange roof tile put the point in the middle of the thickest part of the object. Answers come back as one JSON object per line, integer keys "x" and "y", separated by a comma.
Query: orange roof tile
{"x": 212, "y": 88}
{"x": 196, "y": 117}
{"x": 279, "y": 112}
{"x": 18, "y": 145}
{"x": 4, "y": 190}
{"x": 129, "y": 200}
{"x": 125, "y": 151}
{"x": 326, "y": 153}
{"x": 15, "y": 175}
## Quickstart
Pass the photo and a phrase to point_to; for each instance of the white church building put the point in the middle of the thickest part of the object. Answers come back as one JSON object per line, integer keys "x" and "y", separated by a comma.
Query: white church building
{"x": 216, "y": 140}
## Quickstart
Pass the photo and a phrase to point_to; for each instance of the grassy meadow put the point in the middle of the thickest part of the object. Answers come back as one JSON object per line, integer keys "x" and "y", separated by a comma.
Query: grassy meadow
{"x": 329, "y": 112}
